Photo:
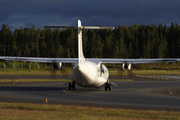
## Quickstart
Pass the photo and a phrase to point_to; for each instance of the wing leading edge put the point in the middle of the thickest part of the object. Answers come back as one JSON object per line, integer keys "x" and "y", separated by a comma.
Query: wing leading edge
{"x": 43, "y": 60}
{"x": 134, "y": 61}
{"x": 96, "y": 60}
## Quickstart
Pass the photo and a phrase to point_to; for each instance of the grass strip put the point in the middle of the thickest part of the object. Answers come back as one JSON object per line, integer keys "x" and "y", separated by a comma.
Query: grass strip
{"x": 49, "y": 80}
{"x": 34, "y": 72}
{"x": 146, "y": 72}
{"x": 61, "y": 72}
{"x": 32, "y": 80}
{"x": 51, "y": 112}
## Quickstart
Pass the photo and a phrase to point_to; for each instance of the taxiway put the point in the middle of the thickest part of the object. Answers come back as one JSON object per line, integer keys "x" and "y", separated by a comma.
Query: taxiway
{"x": 138, "y": 94}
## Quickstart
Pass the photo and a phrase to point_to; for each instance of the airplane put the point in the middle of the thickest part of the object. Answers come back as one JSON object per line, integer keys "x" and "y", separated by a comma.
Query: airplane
{"x": 88, "y": 72}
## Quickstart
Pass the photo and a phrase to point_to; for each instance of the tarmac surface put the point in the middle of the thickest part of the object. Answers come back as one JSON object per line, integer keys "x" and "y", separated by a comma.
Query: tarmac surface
{"x": 141, "y": 93}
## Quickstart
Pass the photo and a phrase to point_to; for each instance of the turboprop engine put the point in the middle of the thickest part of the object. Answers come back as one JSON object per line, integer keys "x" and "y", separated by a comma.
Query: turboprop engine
{"x": 57, "y": 66}
{"x": 126, "y": 66}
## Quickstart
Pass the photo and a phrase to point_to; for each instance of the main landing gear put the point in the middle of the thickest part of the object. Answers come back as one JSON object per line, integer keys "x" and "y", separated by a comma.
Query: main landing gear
{"x": 107, "y": 86}
{"x": 72, "y": 85}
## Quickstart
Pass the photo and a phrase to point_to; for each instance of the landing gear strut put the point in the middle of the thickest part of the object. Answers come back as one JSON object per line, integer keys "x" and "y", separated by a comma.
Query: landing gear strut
{"x": 72, "y": 85}
{"x": 107, "y": 86}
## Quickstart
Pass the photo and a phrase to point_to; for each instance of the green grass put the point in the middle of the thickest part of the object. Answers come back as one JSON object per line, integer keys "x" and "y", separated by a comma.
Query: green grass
{"x": 49, "y": 80}
{"x": 146, "y": 72}
{"x": 31, "y": 80}
{"x": 30, "y": 111}
{"x": 34, "y": 72}
{"x": 68, "y": 72}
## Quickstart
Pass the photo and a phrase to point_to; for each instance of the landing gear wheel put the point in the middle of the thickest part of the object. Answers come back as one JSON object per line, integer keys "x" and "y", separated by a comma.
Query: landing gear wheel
{"x": 69, "y": 86}
{"x": 73, "y": 85}
{"x": 107, "y": 86}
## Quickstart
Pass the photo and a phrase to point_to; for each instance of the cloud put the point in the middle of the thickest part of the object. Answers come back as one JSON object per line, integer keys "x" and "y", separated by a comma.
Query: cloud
{"x": 25, "y": 13}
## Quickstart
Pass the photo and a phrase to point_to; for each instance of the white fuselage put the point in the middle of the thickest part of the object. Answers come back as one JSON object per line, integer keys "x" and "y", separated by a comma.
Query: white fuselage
{"x": 90, "y": 74}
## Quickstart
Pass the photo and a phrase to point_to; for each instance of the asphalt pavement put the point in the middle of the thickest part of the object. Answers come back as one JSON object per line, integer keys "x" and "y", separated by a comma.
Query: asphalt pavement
{"x": 141, "y": 93}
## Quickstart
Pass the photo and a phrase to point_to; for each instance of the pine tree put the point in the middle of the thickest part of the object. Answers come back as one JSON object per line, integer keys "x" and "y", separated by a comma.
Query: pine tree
{"x": 68, "y": 53}
{"x": 98, "y": 47}
{"x": 116, "y": 51}
{"x": 130, "y": 53}
{"x": 5, "y": 38}
{"x": 108, "y": 47}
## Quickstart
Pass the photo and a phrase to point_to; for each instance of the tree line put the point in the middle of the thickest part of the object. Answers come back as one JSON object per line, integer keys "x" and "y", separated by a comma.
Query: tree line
{"x": 134, "y": 41}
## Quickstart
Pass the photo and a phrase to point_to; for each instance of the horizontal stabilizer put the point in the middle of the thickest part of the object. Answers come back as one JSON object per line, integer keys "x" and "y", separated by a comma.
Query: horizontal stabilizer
{"x": 60, "y": 27}
{"x": 96, "y": 27}
{"x": 82, "y": 27}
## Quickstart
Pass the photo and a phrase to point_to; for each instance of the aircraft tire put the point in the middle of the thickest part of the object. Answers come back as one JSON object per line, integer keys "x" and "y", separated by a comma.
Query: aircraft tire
{"x": 109, "y": 86}
{"x": 106, "y": 86}
{"x": 73, "y": 85}
{"x": 69, "y": 86}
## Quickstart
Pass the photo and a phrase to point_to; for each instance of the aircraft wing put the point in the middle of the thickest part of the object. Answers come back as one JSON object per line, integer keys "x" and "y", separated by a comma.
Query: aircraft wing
{"x": 96, "y": 60}
{"x": 39, "y": 59}
{"x": 134, "y": 61}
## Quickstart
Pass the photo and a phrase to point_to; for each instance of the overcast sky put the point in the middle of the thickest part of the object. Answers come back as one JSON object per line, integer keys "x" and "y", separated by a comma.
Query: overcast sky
{"x": 25, "y": 13}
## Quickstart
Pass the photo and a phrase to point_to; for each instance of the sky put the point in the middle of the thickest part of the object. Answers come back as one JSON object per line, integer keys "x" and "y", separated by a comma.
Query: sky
{"x": 24, "y": 13}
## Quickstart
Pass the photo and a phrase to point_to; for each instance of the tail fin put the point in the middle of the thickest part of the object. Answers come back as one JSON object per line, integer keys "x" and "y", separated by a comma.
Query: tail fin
{"x": 80, "y": 46}
{"x": 81, "y": 58}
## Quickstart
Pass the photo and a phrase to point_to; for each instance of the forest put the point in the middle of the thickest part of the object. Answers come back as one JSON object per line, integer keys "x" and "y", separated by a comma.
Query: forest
{"x": 134, "y": 41}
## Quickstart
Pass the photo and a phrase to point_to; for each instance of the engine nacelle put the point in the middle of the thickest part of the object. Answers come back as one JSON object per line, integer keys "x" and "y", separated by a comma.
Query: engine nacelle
{"x": 57, "y": 66}
{"x": 126, "y": 66}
